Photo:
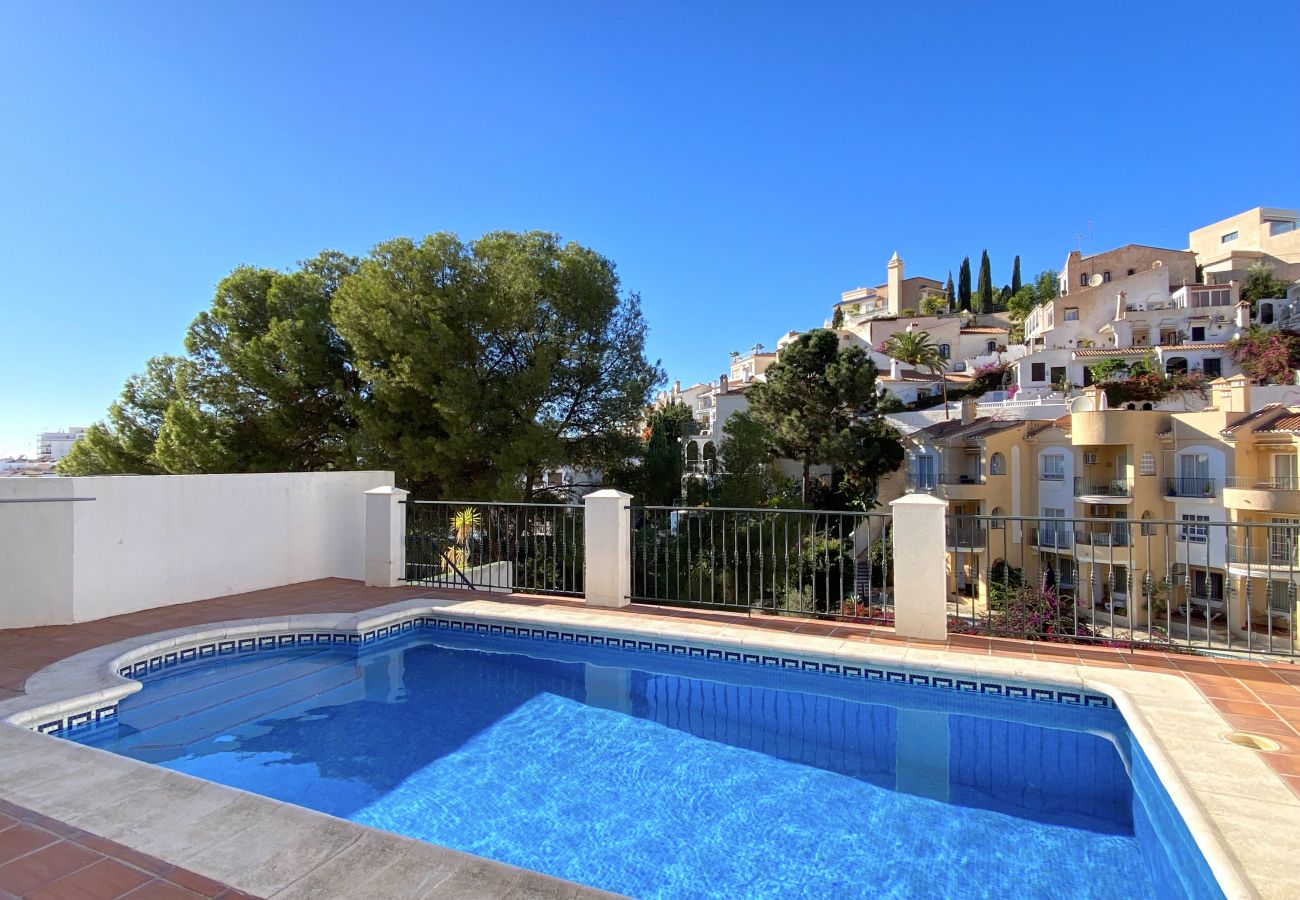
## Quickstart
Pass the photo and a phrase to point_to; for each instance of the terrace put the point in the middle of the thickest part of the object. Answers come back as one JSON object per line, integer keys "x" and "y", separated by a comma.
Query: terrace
{"x": 1179, "y": 704}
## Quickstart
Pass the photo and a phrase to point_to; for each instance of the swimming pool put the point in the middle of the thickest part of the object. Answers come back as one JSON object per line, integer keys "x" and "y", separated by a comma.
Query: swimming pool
{"x": 655, "y": 774}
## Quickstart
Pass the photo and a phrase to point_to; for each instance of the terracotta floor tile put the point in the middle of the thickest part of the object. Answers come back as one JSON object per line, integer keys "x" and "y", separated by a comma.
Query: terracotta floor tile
{"x": 1269, "y": 727}
{"x": 22, "y": 839}
{"x": 27, "y": 873}
{"x": 1227, "y": 690}
{"x": 1243, "y": 708}
{"x": 1285, "y": 764}
{"x": 1275, "y": 699}
{"x": 192, "y": 881}
{"x": 161, "y": 890}
{"x": 103, "y": 880}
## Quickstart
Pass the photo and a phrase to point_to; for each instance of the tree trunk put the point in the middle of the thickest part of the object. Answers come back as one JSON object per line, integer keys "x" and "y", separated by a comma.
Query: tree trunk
{"x": 803, "y": 488}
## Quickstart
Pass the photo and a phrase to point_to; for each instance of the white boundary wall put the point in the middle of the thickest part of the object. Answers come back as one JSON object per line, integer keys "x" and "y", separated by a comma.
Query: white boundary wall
{"x": 150, "y": 541}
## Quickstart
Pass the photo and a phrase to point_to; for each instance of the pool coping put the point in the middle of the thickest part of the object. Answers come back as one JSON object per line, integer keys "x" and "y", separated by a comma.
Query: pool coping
{"x": 1244, "y": 818}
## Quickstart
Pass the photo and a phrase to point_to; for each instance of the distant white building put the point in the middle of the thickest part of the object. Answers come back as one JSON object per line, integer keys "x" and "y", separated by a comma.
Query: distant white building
{"x": 54, "y": 445}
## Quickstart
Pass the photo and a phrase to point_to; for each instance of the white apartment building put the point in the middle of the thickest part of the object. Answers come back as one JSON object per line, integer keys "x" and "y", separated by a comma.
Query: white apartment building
{"x": 54, "y": 445}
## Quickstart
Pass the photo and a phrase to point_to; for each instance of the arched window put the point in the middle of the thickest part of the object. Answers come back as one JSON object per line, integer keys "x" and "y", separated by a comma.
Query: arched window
{"x": 996, "y": 522}
{"x": 997, "y": 464}
{"x": 1147, "y": 529}
{"x": 945, "y": 351}
{"x": 1148, "y": 465}
{"x": 991, "y": 347}
{"x": 692, "y": 454}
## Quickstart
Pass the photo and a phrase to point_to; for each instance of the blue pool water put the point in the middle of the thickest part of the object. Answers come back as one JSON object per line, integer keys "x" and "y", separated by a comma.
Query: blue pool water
{"x": 663, "y": 776}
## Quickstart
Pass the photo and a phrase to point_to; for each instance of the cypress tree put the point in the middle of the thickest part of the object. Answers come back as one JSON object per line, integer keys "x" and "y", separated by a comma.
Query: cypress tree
{"x": 984, "y": 292}
{"x": 1015, "y": 275}
{"x": 963, "y": 285}
{"x": 952, "y": 296}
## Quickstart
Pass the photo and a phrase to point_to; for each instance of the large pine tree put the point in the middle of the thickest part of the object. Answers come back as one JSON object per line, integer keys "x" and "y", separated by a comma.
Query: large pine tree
{"x": 984, "y": 292}
{"x": 1015, "y": 275}
{"x": 952, "y": 296}
{"x": 963, "y": 285}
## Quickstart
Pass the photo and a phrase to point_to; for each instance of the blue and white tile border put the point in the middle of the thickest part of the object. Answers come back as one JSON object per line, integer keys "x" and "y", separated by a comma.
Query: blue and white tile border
{"x": 133, "y": 666}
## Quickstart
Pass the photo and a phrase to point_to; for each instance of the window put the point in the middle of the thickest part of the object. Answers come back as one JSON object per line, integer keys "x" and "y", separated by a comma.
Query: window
{"x": 1276, "y": 228}
{"x": 1072, "y": 314}
{"x": 1147, "y": 465}
{"x": 1281, "y": 596}
{"x": 1132, "y": 271}
{"x": 945, "y": 351}
{"x": 1198, "y": 332}
{"x": 1213, "y": 367}
{"x": 1207, "y": 585}
{"x": 1053, "y": 534}
{"x": 1284, "y": 472}
{"x": 1213, "y": 297}
{"x": 1058, "y": 374}
{"x": 997, "y": 464}
{"x": 991, "y": 347}
{"x": 1119, "y": 581}
{"x": 1282, "y": 541}
{"x": 1053, "y": 467}
{"x": 923, "y": 394}
{"x": 1194, "y": 534}
{"x": 1037, "y": 371}
{"x": 1228, "y": 238}
{"x": 1105, "y": 278}
{"x": 1083, "y": 279}
{"x": 998, "y": 523}
{"x": 1147, "y": 529}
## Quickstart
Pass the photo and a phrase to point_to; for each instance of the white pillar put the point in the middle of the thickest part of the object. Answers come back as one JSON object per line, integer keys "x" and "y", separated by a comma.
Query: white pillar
{"x": 920, "y": 567}
{"x": 607, "y": 532}
{"x": 385, "y": 536}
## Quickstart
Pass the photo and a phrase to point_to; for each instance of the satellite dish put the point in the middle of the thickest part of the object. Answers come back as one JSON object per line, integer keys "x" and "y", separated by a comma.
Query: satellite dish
{"x": 1157, "y": 264}
{"x": 1094, "y": 281}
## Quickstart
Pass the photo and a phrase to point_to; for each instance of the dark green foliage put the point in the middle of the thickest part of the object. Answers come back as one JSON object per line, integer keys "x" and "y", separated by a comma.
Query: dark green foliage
{"x": 984, "y": 293}
{"x": 744, "y": 478}
{"x": 490, "y": 361}
{"x": 818, "y": 406}
{"x": 1015, "y": 275}
{"x": 837, "y": 317}
{"x": 1004, "y": 582}
{"x": 963, "y": 285}
{"x": 1261, "y": 285}
{"x": 950, "y": 292}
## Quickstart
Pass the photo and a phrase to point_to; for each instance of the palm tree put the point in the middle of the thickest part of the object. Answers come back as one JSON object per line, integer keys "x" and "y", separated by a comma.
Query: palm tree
{"x": 464, "y": 523}
{"x": 914, "y": 348}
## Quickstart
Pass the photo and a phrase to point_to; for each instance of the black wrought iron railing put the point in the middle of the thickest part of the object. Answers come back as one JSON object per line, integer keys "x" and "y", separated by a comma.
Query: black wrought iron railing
{"x": 532, "y": 548}
{"x": 1102, "y": 487}
{"x": 1275, "y": 483}
{"x": 1191, "y": 487}
{"x": 1222, "y": 588}
{"x": 781, "y": 561}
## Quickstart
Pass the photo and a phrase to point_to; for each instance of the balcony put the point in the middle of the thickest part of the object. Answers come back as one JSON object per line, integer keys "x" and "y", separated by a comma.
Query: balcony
{"x": 1195, "y": 488}
{"x": 1105, "y": 490}
{"x": 1116, "y": 537}
{"x": 944, "y": 482}
{"x": 1264, "y": 554}
{"x": 1061, "y": 539}
{"x": 1273, "y": 494}
{"x": 966, "y": 537}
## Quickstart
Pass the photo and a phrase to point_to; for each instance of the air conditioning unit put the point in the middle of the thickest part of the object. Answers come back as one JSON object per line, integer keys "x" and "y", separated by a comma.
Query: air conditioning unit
{"x": 1090, "y": 458}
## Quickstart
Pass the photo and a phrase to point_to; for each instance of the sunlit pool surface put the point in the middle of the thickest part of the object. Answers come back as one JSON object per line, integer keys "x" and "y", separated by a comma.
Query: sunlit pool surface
{"x": 659, "y": 776}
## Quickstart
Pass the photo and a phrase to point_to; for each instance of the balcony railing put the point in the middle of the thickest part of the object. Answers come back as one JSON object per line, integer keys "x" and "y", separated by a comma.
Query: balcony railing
{"x": 1191, "y": 487}
{"x": 928, "y": 481}
{"x": 1251, "y": 483}
{"x": 1106, "y": 487}
{"x": 1052, "y": 538}
{"x": 1120, "y": 537}
{"x": 966, "y": 536}
{"x": 1265, "y": 553}
{"x": 1051, "y": 476}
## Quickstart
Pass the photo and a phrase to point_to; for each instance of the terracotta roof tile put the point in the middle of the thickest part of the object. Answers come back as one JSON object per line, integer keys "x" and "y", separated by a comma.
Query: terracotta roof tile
{"x": 1263, "y": 411}
{"x": 983, "y": 329}
{"x": 1062, "y": 423}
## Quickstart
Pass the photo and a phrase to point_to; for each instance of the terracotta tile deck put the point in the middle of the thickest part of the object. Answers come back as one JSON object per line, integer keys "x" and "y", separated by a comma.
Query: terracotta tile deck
{"x": 1259, "y": 697}
{"x": 44, "y": 859}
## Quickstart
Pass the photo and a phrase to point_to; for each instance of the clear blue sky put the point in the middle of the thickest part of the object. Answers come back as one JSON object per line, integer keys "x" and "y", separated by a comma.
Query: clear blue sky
{"x": 743, "y": 163}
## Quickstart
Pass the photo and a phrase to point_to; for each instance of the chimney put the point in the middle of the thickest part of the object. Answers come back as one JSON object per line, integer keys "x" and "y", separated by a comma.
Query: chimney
{"x": 895, "y": 369}
{"x": 722, "y": 384}
{"x": 968, "y": 410}
{"x": 677, "y": 387}
{"x": 1243, "y": 314}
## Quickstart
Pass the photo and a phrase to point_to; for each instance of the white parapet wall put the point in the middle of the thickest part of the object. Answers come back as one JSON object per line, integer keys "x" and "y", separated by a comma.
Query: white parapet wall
{"x": 150, "y": 541}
